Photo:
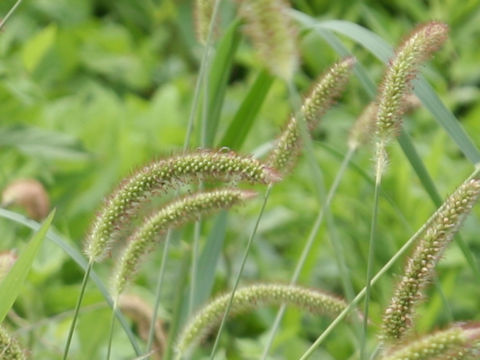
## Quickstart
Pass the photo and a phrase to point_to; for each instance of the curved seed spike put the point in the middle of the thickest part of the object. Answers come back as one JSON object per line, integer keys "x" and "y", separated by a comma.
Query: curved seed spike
{"x": 364, "y": 127}
{"x": 323, "y": 94}
{"x": 454, "y": 343}
{"x": 449, "y": 217}
{"x": 272, "y": 33}
{"x": 415, "y": 49}
{"x": 173, "y": 215}
{"x": 9, "y": 348}
{"x": 252, "y": 297}
{"x": 164, "y": 174}
{"x": 203, "y": 14}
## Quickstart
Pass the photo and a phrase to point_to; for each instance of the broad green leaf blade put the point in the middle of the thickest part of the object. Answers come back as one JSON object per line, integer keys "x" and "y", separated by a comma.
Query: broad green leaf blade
{"x": 383, "y": 51}
{"x": 12, "y": 284}
{"x": 218, "y": 79}
{"x": 245, "y": 117}
{"x": 76, "y": 256}
{"x": 207, "y": 263}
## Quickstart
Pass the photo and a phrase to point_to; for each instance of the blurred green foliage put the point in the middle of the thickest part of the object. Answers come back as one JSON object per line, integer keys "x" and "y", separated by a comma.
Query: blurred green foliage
{"x": 92, "y": 89}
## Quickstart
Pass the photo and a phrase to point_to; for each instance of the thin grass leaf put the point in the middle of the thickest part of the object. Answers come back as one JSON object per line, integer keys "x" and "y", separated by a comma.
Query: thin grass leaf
{"x": 245, "y": 117}
{"x": 218, "y": 78}
{"x": 12, "y": 284}
{"x": 76, "y": 256}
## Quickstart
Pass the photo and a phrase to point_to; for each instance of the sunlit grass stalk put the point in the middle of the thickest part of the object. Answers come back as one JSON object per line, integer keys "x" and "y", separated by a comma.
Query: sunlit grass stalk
{"x": 9, "y": 13}
{"x": 77, "y": 309}
{"x": 308, "y": 245}
{"x": 240, "y": 271}
{"x": 374, "y": 280}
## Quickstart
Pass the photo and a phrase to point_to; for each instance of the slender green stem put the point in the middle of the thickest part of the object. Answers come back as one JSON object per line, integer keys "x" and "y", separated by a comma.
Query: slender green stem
{"x": 77, "y": 309}
{"x": 240, "y": 271}
{"x": 158, "y": 290}
{"x": 371, "y": 250}
{"x": 112, "y": 328}
{"x": 374, "y": 280}
{"x": 308, "y": 246}
{"x": 10, "y": 12}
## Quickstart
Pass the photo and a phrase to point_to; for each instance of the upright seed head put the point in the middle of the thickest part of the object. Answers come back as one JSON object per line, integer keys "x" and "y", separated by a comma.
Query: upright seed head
{"x": 323, "y": 94}
{"x": 415, "y": 49}
{"x": 364, "y": 127}
{"x": 9, "y": 348}
{"x": 454, "y": 343}
{"x": 164, "y": 174}
{"x": 203, "y": 12}
{"x": 171, "y": 216}
{"x": 250, "y": 298}
{"x": 449, "y": 217}
{"x": 272, "y": 33}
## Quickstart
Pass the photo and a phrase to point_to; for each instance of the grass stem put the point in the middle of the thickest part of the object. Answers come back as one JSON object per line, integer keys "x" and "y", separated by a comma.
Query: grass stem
{"x": 10, "y": 12}
{"x": 77, "y": 309}
{"x": 240, "y": 271}
{"x": 112, "y": 327}
{"x": 158, "y": 291}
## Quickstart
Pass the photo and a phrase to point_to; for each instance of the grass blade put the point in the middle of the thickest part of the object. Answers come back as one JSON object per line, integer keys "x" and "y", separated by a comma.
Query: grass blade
{"x": 244, "y": 119}
{"x": 218, "y": 78}
{"x": 11, "y": 285}
{"x": 76, "y": 256}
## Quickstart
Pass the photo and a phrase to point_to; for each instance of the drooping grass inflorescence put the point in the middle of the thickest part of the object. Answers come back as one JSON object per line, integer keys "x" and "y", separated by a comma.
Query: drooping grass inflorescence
{"x": 449, "y": 217}
{"x": 323, "y": 94}
{"x": 170, "y": 216}
{"x": 272, "y": 33}
{"x": 458, "y": 342}
{"x": 416, "y": 48}
{"x": 250, "y": 298}
{"x": 165, "y": 174}
{"x": 9, "y": 348}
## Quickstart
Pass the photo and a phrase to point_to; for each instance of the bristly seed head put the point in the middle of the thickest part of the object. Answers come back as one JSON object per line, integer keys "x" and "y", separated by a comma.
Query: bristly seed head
{"x": 171, "y": 216}
{"x": 9, "y": 348}
{"x": 448, "y": 218}
{"x": 272, "y": 33}
{"x": 454, "y": 343}
{"x": 250, "y": 298}
{"x": 402, "y": 69}
{"x": 165, "y": 174}
{"x": 203, "y": 15}
{"x": 323, "y": 94}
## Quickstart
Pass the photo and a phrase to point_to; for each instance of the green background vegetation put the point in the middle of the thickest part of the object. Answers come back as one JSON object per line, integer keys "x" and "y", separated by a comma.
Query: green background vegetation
{"x": 90, "y": 90}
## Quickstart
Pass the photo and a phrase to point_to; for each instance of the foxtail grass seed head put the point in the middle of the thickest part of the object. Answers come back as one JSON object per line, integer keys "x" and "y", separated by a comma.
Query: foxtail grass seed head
{"x": 162, "y": 175}
{"x": 252, "y": 297}
{"x": 272, "y": 33}
{"x": 449, "y": 217}
{"x": 323, "y": 94}
{"x": 9, "y": 348}
{"x": 171, "y": 216}
{"x": 402, "y": 69}
{"x": 364, "y": 126}
{"x": 454, "y": 343}
{"x": 203, "y": 15}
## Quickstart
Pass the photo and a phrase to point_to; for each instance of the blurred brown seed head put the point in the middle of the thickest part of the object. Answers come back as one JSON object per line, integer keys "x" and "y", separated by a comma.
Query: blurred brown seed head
{"x": 7, "y": 259}
{"x": 28, "y": 194}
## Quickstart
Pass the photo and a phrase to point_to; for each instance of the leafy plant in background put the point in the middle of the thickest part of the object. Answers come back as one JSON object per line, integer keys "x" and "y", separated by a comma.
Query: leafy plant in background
{"x": 122, "y": 220}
